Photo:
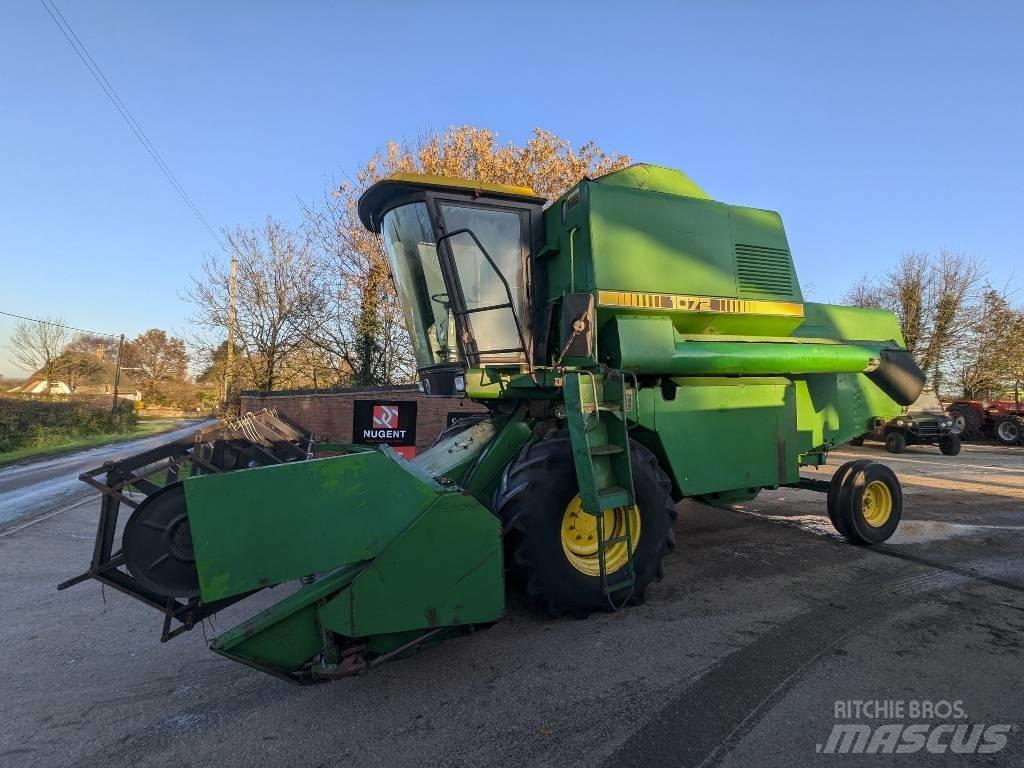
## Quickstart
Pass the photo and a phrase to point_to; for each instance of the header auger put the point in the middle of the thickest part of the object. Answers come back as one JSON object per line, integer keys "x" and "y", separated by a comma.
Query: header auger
{"x": 635, "y": 343}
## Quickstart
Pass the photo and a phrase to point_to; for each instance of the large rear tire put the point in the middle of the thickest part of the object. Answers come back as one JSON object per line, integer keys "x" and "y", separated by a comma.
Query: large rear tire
{"x": 538, "y": 504}
{"x": 966, "y": 422}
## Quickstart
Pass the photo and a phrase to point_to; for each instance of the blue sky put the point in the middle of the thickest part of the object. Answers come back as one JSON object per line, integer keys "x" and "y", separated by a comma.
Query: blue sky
{"x": 873, "y": 128}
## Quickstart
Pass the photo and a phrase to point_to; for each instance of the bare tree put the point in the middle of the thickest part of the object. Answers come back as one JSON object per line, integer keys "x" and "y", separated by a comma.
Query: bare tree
{"x": 935, "y": 301}
{"x": 865, "y": 293}
{"x": 360, "y": 324}
{"x": 102, "y": 347}
{"x": 37, "y": 346}
{"x": 990, "y": 356}
{"x": 276, "y": 275}
{"x": 951, "y": 304}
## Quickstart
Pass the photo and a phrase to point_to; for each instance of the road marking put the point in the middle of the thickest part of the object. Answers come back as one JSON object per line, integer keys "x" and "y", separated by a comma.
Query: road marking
{"x": 944, "y": 464}
{"x": 47, "y": 516}
{"x": 972, "y": 486}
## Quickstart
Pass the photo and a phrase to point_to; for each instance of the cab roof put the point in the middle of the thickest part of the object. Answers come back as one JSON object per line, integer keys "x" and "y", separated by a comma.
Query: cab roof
{"x": 381, "y": 196}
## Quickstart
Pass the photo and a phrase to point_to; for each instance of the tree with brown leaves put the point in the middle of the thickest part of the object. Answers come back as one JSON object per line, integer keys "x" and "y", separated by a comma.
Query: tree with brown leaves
{"x": 360, "y": 319}
{"x": 156, "y": 357}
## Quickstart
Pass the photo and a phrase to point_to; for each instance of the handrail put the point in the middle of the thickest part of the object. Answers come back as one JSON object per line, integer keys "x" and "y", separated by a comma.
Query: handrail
{"x": 508, "y": 292}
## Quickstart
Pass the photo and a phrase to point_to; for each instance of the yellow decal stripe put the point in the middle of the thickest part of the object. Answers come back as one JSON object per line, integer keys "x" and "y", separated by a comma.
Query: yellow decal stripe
{"x": 674, "y": 302}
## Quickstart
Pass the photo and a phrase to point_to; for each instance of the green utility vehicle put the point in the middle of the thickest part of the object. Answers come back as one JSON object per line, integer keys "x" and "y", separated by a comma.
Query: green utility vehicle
{"x": 923, "y": 423}
{"x": 635, "y": 343}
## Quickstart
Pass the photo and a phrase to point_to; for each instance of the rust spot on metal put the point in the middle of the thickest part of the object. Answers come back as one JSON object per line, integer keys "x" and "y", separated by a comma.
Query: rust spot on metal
{"x": 432, "y": 617}
{"x": 264, "y": 581}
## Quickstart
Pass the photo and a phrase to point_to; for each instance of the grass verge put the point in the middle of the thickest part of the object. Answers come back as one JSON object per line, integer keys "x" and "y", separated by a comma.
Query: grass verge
{"x": 144, "y": 428}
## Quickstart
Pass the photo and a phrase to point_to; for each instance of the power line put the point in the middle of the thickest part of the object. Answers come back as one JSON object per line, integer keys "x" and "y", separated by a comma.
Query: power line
{"x": 60, "y": 325}
{"x": 119, "y": 105}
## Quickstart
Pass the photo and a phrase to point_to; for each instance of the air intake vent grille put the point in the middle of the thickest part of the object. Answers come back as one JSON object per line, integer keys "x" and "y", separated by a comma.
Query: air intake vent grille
{"x": 763, "y": 271}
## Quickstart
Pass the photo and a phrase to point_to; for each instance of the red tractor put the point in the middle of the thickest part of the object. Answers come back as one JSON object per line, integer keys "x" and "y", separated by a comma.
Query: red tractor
{"x": 1001, "y": 419}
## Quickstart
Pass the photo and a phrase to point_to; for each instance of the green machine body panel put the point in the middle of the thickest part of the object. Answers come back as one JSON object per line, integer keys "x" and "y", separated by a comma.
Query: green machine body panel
{"x": 254, "y": 529}
{"x": 753, "y": 423}
{"x": 446, "y": 579}
{"x": 383, "y": 550}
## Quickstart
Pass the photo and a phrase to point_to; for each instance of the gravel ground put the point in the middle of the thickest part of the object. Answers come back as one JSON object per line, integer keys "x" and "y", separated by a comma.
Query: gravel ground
{"x": 764, "y": 621}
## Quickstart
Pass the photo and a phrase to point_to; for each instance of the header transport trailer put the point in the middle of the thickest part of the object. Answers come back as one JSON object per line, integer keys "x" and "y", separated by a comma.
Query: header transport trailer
{"x": 635, "y": 343}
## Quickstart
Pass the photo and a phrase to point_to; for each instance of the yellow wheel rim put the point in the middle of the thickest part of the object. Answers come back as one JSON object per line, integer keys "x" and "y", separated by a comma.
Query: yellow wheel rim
{"x": 579, "y": 537}
{"x": 877, "y": 504}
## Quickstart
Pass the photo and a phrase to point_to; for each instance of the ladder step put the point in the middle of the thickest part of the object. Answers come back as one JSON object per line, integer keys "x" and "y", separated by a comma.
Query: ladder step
{"x": 614, "y": 410}
{"x": 605, "y": 450}
{"x": 614, "y": 540}
{"x": 619, "y": 585}
{"x": 614, "y": 497}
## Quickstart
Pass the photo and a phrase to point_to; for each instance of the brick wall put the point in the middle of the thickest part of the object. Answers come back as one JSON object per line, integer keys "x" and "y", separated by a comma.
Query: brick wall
{"x": 328, "y": 413}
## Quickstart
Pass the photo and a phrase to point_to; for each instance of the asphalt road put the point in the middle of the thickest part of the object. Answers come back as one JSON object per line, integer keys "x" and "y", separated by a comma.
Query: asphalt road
{"x": 764, "y": 621}
{"x": 38, "y": 486}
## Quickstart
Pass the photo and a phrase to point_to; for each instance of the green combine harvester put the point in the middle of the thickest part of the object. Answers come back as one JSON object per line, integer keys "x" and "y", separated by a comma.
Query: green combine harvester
{"x": 635, "y": 343}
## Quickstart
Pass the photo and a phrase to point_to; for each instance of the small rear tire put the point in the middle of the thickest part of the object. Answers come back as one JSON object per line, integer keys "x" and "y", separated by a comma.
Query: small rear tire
{"x": 895, "y": 442}
{"x": 870, "y": 504}
{"x": 857, "y": 442}
{"x": 1007, "y": 431}
{"x": 835, "y": 485}
{"x": 950, "y": 445}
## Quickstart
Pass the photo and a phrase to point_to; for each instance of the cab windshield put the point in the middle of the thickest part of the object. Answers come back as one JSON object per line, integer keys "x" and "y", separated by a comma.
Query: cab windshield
{"x": 430, "y": 311}
{"x": 409, "y": 241}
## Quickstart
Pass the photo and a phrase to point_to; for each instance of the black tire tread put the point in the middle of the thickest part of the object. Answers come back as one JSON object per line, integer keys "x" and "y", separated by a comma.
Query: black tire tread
{"x": 972, "y": 421}
{"x": 849, "y": 504}
{"x": 534, "y": 468}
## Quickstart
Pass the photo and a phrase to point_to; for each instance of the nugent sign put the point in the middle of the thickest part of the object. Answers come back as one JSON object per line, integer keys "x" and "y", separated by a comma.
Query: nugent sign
{"x": 391, "y": 423}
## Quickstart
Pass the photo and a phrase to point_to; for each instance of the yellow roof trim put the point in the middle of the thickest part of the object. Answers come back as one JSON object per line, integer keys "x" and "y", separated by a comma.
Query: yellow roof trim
{"x": 432, "y": 180}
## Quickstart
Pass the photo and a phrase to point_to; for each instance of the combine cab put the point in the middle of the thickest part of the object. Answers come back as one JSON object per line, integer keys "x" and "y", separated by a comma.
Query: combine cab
{"x": 635, "y": 343}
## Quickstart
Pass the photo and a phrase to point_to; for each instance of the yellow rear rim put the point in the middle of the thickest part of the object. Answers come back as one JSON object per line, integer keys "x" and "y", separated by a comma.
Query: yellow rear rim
{"x": 579, "y": 537}
{"x": 877, "y": 504}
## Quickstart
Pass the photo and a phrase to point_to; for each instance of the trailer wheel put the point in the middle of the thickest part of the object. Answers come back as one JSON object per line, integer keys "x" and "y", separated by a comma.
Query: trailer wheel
{"x": 950, "y": 445}
{"x": 870, "y": 504}
{"x": 834, "y": 487}
{"x": 895, "y": 442}
{"x": 858, "y": 441}
{"x": 966, "y": 422}
{"x": 1007, "y": 431}
{"x": 538, "y": 503}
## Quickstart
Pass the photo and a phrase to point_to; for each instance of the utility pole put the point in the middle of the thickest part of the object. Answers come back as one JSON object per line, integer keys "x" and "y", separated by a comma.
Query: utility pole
{"x": 232, "y": 316}
{"x": 117, "y": 374}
